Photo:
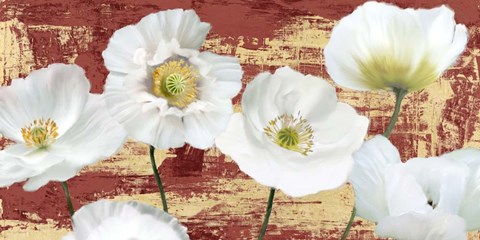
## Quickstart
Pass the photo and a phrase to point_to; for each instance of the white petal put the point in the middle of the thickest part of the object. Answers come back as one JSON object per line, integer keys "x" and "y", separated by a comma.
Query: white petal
{"x": 60, "y": 172}
{"x": 402, "y": 192}
{"x": 95, "y": 136}
{"x": 258, "y": 104}
{"x": 414, "y": 226}
{"x": 252, "y": 159}
{"x": 226, "y": 72}
{"x": 446, "y": 40}
{"x": 201, "y": 128}
{"x": 122, "y": 49}
{"x": 103, "y": 218}
{"x": 58, "y": 92}
{"x": 455, "y": 49}
{"x": 367, "y": 177}
{"x": 334, "y": 127}
{"x": 438, "y": 24}
{"x": 442, "y": 179}
{"x": 70, "y": 236}
{"x": 313, "y": 178}
{"x": 11, "y": 172}
{"x": 130, "y": 106}
{"x": 183, "y": 25}
{"x": 31, "y": 158}
{"x": 470, "y": 206}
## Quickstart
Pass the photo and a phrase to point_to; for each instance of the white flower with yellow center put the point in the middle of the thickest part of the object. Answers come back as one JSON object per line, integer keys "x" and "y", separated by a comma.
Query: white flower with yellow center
{"x": 293, "y": 134}
{"x": 381, "y": 46}
{"x": 435, "y": 198}
{"x": 58, "y": 127}
{"x": 109, "y": 220}
{"x": 162, "y": 89}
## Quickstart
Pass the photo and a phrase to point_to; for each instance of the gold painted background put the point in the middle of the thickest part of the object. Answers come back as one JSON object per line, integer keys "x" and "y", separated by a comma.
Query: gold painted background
{"x": 206, "y": 190}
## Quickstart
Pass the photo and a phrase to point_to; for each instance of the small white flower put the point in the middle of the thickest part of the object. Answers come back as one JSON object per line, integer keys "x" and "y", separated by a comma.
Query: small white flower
{"x": 293, "y": 134}
{"x": 381, "y": 46}
{"x": 162, "y": 89}
{"x": 58, "y": 127}
{"x": 108, "y": 220}
{"x": 425, "y": 198}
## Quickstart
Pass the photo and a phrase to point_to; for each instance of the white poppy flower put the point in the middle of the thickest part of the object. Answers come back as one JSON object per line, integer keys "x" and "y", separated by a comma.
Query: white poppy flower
{"x": 293, "y": 134}
{"x": 58, "y": 127}
{"x": 381, "y": 46}
{"x": 434, "y": 198}
{"x": 109, "y": 220}
{"x": 162, "y": 89}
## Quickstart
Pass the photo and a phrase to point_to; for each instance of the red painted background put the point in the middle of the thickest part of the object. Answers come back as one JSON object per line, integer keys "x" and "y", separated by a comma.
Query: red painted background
{"x": 232, "y": 21}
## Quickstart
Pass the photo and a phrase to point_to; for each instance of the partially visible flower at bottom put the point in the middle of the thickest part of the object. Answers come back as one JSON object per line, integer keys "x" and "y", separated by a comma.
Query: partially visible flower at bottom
{"x": 109, "y": 220}
{"x": 434, "y": 198}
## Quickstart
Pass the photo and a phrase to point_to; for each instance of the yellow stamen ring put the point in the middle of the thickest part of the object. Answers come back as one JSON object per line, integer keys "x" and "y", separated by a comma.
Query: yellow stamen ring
{"x": 175, "y": 81}
{"x": 290, "y": 132}
{"x": 40, "y": 133}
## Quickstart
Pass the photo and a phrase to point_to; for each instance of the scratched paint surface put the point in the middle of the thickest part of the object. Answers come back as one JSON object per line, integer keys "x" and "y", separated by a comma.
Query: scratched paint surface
{"x": 206, "y": 190}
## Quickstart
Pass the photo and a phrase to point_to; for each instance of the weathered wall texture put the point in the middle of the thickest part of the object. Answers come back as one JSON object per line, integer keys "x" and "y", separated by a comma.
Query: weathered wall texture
{"x": 206, "y": 190}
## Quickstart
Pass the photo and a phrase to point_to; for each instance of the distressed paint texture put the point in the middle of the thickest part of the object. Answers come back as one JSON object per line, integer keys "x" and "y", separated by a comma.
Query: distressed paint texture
{"x": 206, "y": 190}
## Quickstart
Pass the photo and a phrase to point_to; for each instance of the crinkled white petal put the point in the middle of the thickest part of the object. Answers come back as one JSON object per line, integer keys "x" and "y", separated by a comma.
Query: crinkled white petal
{"x": 123, "y": 48}
{"x": 183, "y": 25}
{"x": 442, "y": 179}
{"x": 95, "y": 136}
{"x": 226, "y": 73}
{"x": 201, "y": 127}
{"x": 104, "y": 220}
{"x": 145, "y": 117}
{"x": 368, "y": 174}
{"x": 134, "y": 45}
{"x": 470, "y": 206}
{"x": 58, "y": 92}
{"x": 435, "y": 225}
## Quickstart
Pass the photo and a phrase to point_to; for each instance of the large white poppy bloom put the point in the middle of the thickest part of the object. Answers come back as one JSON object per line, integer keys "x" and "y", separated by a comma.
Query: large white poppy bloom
{"x": 58, "y": 127}
{"x": 162, "y": 89}
{"x": 381, "y": 46}
{"x": 425, "y": 198}
{"x": 293, "y": 134}
{"x": 109, "y": 220}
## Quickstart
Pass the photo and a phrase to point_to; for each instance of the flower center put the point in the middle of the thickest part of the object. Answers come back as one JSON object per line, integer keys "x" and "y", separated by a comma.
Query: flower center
{"x": 290, "y": 132}
{"x": 40, "y": 133}
{"x": 176, "y": 82}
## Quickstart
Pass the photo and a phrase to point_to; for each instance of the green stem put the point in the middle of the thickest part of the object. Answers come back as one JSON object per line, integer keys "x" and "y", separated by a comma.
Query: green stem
{"x": 399, "y": 94}
{"x": 267, "y": 214}
{"x": 349, "y": 225}
{"x": 157, "y": 178}
{"x": 69, "y": 200}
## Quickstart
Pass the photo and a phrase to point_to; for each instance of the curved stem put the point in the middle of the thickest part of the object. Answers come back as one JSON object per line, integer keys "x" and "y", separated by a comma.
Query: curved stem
{"x": 400, "y": 94}
{"x": 67, "y": 196}
{"x": 267, "y": 214}
{"x": 157, "y": 178}
{"x": 349, "y": 225}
